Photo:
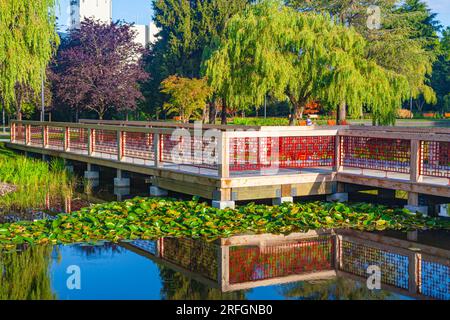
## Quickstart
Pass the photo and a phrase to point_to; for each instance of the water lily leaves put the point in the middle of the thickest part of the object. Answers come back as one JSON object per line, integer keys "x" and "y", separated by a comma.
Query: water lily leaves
{"x": 150, "y": 218}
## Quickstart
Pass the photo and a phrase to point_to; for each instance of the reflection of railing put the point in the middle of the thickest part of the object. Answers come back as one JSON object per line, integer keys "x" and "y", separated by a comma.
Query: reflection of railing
{"x": 408, "y": 268}
{"x": 243, "y": 262}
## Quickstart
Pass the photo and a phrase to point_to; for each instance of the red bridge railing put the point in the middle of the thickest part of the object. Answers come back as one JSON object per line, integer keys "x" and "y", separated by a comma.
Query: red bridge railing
{"x": 214, "y": 151}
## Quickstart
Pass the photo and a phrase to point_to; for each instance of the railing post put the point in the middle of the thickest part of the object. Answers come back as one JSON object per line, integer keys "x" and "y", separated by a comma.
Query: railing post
{"x": 224, "y": 155}
{"x": 157, "y": 149}
{"x": 44, "y": 136}
{"x": 223, "y": 262}
{"x": 66, "y": 138}
{"x": 120, "y": 145}
{"x": 12, "y": 132}
{"x": 415, "y": 260}
{"x": 415, "y": 170}
{"x": 27, "y": 134}
{"x": 338, "y": 252}
{"x": 338, "y": 153}
{"x": 91, "y": 140}
{"x": 416, "y": 161}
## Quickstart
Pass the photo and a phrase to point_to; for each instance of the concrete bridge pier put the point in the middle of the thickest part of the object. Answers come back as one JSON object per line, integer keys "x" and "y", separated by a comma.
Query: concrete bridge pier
{"x": 223, "y": 204}
{"x": 120, "y": 192}
{"x": 413, "y": 204}
{"x": 281, "y": 200}
{"x": 92, "y": 176}
{"x": 121, "y": 181}
{"x": 158, "y": 192}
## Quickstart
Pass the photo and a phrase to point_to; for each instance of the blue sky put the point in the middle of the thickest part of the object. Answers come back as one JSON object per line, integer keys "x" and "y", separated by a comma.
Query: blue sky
{"x": 140, "y": 12}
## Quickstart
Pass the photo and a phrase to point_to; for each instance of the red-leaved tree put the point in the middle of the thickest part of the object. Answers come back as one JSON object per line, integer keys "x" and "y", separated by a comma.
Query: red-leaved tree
{"x": 99, "y": 68}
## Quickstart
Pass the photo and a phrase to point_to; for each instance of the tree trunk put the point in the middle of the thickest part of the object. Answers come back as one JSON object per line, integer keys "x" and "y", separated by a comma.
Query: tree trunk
{"x": 298, "y": 106}
{"x": 224, "y": 112}
{"x": 342, "y": 113}
{"x": 212, "y": 112}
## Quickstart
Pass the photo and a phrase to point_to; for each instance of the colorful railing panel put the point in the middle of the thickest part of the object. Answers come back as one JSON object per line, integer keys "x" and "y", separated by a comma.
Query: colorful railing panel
{"x": 18, "y": 133}
{"x": 356, "y": 258}
{"x": 36, "y": 135}
{"x": 105, "y": 141}
{"x": 194, "y": 255}
{"x": 55, "y": 137}
{"x": 393, "y": 155}
{"x": 200, "y": 152}
{"x": 138, "y": 145}
{"x": 435, "y": 280}
{"x": 436, "y": 159}
{"x": 282, "y": 152}
{"x": 78, "y": 139}
{"x": 254, "y": 263}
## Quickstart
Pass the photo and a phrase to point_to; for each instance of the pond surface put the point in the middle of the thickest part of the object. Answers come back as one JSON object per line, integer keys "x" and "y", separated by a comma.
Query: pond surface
{"x": 174, "y": 269}
{"x": 110, "y": 271}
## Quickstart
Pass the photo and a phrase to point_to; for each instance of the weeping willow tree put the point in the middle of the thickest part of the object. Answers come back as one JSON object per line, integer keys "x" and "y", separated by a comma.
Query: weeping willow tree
{"x": 404, "y": 44}
{"x": 302, "y": 56}
{"x": 28, "y": 40}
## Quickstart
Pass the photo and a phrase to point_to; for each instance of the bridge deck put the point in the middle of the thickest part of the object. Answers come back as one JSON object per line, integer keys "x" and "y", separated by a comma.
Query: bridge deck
{"x": 249, "y": 164}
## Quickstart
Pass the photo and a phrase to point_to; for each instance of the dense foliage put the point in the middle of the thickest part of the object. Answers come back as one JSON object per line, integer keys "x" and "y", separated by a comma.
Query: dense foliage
{"x": 151, "y": 218}
{"x": 188, "y": 30}
{"x": 28, "y": 41}
{"x": 99, "y": 68}
{"x": 34, "y": 181}
{"x": 187, "y": 96}
{"x": 271, "y": 48}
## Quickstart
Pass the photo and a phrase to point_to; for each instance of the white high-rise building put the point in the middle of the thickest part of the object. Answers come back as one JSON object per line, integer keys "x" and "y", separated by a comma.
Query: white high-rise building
{"x": 102, "y": 10}
{"x": 96, "y": 9}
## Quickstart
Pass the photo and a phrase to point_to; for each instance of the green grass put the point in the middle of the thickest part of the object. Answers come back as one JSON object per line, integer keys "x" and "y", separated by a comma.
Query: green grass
{"x": 35, "y": 181}
{"x": 152, "y": 218}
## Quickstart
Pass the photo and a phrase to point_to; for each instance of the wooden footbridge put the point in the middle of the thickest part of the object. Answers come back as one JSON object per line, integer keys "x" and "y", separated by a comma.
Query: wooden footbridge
{"x": 232, "y": 163}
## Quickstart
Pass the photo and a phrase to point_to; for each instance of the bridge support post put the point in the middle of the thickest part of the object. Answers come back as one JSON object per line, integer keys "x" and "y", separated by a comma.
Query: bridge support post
{"x": 413, "y": 204}
{"x": 224, "y": 204}
{"x": 120, "y": 181}
{"x": 121, "y": 192}
{"x": 158, "y": 192}
{"x": 338, "y": 197}
{"x": 444, "y": 210}
{"x": 281, "y": 200}
{"x": 90, "y": 174}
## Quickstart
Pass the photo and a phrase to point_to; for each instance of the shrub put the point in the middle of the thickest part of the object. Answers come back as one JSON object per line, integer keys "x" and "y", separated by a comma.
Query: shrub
{"x": 404, "y": 114}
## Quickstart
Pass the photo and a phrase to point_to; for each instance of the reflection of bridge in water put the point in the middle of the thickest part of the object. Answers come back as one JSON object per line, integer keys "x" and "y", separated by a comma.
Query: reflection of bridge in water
{"x": 249, "y": 261}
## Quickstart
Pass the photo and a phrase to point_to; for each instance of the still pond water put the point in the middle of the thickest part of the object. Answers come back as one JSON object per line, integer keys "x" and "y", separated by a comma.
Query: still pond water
{"x": 303, "y": 268}
{"x": 110, "y": 271}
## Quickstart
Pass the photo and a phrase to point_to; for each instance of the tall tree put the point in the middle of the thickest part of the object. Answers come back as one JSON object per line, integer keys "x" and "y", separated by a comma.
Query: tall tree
{"x": 271, "y": 48}
{"x": 440, "y": 80}
{"x": 187, "y": 29}
{"x": 187, "y": 96}
{"x": 28, "y": 41}
{"x": 100, "y": 68}
{"x": 402, "y": 44}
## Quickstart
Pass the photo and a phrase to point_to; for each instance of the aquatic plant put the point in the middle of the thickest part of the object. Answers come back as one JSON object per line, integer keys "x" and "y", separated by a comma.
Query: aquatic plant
{"x": 34, "y": 181}
{"x": 152, "y": 218}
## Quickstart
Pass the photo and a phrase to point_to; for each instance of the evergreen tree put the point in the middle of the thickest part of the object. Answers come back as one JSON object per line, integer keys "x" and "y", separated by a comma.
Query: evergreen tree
{"x": 187, "y": 29}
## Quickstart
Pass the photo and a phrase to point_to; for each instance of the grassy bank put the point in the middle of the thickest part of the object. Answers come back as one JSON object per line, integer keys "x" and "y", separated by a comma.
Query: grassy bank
{"x": 34, "y": 181}
{"x": 151, "y": 218}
